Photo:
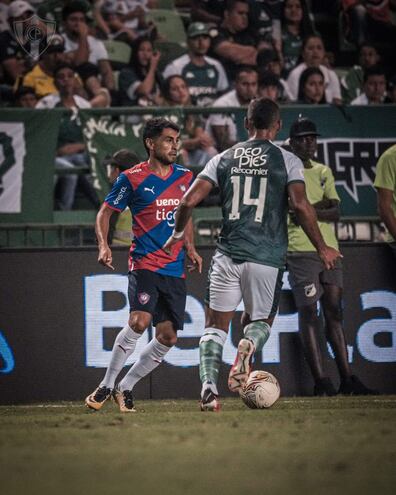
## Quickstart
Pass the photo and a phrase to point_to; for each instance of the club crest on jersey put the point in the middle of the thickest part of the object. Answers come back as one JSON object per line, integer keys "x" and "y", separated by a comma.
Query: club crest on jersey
{"x": 143, "y": 297}
{"x": 310, "y": 290}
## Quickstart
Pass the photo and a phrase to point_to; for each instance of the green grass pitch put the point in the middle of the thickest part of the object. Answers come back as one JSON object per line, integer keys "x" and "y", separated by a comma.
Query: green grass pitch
{"x": 307, "y": 446}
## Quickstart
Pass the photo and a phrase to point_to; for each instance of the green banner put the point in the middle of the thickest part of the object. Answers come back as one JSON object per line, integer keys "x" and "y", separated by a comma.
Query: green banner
{"x": 104, "y": 135}
{"x": 27, "y": 149}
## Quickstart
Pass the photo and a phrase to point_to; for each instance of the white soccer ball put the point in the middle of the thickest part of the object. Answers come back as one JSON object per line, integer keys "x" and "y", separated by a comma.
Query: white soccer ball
{"x": 261, "y": 390}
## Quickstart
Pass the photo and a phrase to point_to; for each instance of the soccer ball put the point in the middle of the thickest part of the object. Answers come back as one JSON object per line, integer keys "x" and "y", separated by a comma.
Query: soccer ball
{"x": 261, "y": 390}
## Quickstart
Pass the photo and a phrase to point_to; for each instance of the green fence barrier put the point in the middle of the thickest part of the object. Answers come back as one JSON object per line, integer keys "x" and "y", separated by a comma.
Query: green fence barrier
{"x": 352, "y": 139}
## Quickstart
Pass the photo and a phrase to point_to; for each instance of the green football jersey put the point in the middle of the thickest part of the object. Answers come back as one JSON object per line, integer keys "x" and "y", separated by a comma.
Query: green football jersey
{"x": 319, "y": 185}
{"x": 386, "y": 177}
{"x": 253, "y": 177}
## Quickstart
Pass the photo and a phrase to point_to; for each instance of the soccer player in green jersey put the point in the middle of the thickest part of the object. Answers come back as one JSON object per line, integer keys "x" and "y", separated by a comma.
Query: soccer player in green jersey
{"x": 385, "y": 183}
{"x": 255, "y": 179}
{"x": 309, "y": 281}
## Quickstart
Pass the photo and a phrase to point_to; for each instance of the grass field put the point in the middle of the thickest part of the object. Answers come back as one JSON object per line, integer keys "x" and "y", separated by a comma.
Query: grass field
{"x": 300, "y": 446}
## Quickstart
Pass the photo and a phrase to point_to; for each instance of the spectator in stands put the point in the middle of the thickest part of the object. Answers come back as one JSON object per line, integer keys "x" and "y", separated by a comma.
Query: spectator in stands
{"x": 264, "y": 20}
{"x": 371, "y": 20}
{"x": 41, "y": 77}
{"x": 25, "y": 97}
{"x": 205, "y": 76}
{"x": 4, "y": 15}
{"x": 268, "y": 60}
{"x": 197, "y": 147}
{"x": 135, "y": 18}
{"x": 82, "y": 46}
{"x": 140, "y": 83}
{"x": 313, "y": 53}
{"x": 234, "y": 45}
{"x": 310, "y": 282}
{"x": 385, "y": 183}
{"x": 71, "y": 149}
{"x": 296, "y": 26}
{"x": 374, "y": 87}
{"x": 311, "y": 88}
{"x": 113, "y": 26}
{"x": 352, "y": 82}
{"x": 225, "y": 128}
{"x": 12, "y": 55}
{"x": 209, "y": 11}
{"x": 269, "y": 86}
{"x": 392, "y": 89}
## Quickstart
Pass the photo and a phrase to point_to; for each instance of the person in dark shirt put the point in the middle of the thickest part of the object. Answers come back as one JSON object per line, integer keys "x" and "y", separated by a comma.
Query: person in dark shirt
{"x": 235, "y": 45}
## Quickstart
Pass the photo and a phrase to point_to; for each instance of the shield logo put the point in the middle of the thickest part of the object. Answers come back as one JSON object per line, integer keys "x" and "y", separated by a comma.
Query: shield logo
{"x": 143, "y": 297}
{"x": 34, "y": 35}
{"x": 310, "y": 290}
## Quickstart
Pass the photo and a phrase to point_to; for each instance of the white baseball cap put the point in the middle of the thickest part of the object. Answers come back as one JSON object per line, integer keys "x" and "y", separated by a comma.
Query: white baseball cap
{"x": 19, "y": 7}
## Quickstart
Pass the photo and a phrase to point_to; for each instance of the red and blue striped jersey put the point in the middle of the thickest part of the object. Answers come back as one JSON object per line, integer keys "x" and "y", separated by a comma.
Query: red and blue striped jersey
{"x": 153, "y": 201}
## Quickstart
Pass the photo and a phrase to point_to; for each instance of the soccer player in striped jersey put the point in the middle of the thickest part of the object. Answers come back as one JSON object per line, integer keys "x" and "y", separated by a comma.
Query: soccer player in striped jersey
{"x": 152, "y": 190}
{"x": 255, "y": 179}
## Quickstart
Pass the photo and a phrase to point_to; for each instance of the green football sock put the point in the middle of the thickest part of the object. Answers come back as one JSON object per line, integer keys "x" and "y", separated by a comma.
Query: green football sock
{"x": 210, "y": 354}
{"x": 258, "y": 332}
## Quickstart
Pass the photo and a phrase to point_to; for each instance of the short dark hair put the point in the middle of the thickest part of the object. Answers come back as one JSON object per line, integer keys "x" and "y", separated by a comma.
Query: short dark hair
{"x": 262, "y": 113}
{"x": 123, "y": 159}
{"x": 230, "y": 4}
{"x": 61, "y": 67}
{"x": 245, "y": 68}
{"x": 155, "y": 126}
{"x": 75, "y": 6}
{"x": 267, "y": 78}
{"x": 375, "y": 70}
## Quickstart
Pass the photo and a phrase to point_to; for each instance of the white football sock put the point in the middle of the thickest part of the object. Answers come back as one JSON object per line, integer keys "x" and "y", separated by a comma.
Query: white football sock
{"x": 124, "y": 345}
{"x": 150, "y": 357}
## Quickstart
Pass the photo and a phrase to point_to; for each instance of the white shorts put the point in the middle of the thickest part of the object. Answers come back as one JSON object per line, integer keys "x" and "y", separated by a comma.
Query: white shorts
{"x": 259, "y": 287}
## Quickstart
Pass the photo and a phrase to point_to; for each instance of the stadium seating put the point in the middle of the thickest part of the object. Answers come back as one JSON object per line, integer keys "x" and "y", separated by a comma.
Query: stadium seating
{"x": 169, "y": 25}
{"x": 119, "y": 53}
{"x": 169, "y": 51}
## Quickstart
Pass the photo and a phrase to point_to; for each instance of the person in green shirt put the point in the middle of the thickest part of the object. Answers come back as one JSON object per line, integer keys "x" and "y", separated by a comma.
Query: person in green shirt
{"x": 310, "y": 282}
{"x": 385, "y": 183}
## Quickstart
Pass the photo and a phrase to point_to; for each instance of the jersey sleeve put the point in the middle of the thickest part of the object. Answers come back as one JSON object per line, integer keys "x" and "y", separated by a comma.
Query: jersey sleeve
{"x": 294, "y": 167}
{"x": 209, "y": 173}
{"x": 386, "y": 172}
{"x": 329, "y": 184}
{"x": 120, "y": 195}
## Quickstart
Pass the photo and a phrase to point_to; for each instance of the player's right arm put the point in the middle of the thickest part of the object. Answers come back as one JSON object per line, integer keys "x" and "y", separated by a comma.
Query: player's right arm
{"x": 117, "y": 200}
{"x": 307, "y": 218}
{"x": 102, "y": 223}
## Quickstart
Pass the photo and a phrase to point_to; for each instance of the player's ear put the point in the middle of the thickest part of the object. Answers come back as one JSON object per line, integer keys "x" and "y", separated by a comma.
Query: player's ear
{"x": 149, "y": 144}
{"x": 246, "y": 123}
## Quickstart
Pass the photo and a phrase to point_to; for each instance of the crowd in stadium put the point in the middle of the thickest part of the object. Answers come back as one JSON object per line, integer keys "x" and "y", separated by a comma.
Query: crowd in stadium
{"x": 114, "y": 48}
{"x": 219, "y": 53}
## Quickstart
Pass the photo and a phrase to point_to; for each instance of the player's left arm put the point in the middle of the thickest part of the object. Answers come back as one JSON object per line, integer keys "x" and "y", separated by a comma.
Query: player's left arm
{"x": 197, "y": 192}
